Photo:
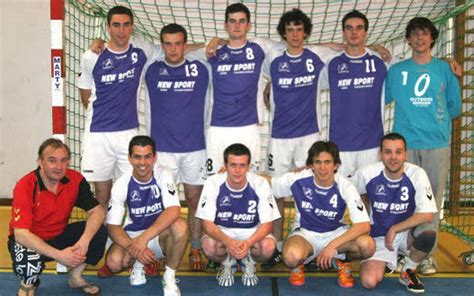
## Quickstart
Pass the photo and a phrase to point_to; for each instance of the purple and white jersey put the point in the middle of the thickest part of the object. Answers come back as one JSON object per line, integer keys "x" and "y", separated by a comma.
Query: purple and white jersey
{"x": 144, "y": 201}
{"x": 237, "y": 83}
{"x": 356, "y": 94}
{"x": 320, "y": 209}
{"x": 393, "y": 201}
{"x": 294, "y": 91}
{"x": 114, "y": 79}
{"x": 177, "y": 97}
{"x": 246, "y": 208}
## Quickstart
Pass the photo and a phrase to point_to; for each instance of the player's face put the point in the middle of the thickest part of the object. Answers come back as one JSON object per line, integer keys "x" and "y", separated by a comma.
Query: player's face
{"x": 120, "y": 31}
{"x": 393, "y": 156}
{"x": 174, "y": 46}
{"x": 53, "y": 164}
{"x": 237, "y": 168}
{"x": 295, "y": 35}
{"x": 237, "y": 26}
{"x": 142, "y": 161}
{"x": 324, "y": 168}
{"x": 420, "y": 40}
{"x": 354, "y": 32}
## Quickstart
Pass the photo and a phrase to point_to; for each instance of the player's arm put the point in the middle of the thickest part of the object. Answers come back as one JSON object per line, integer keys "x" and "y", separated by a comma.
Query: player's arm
{"x": 262, "y": 231}
{"x": 382, "y": 51}
{"x": 232, "y": 245}
{"x": 366, "y": 201}
{"x": 413, "y": 221}
{"x": 456, "y": 68}
{"x": 85, "y": 96}
{"x": 95, "y": 219}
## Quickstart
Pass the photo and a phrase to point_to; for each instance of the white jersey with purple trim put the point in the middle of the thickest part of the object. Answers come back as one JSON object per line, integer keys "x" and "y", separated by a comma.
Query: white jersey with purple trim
{"x": 144, "y": 201}
{"x": 114, "y": 79}
{"x": 356, "y": 100}
{"x": 245, "y": 208}
{"x": 393, "y": 201}
{"x": 320, "y": 209}
{"x": 295, "y": 109}
{"x": 238, "y": 84}
{"x": 177, "y": 98}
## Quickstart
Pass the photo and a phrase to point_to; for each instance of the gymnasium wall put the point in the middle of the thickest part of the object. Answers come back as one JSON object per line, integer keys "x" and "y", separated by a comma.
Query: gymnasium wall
{"x": 25, "y": 87}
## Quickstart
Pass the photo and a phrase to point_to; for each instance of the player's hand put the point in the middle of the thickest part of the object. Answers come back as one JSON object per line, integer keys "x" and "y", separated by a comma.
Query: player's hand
{"x": 97, "y": 46}
{"x": 233, "y": 248}
{"x": 244, "y": 247}
{"x": 81, "y": 247}
{"x": 138, "y": 245}
{"x": 389, "y": 237}
{"x": 213, "y": 45}
{"x": 297, "y": 170}
{"x": 70, "y": 258}
{"x": 221, "y": 170}
{"x": 147, "y": 256}
{"x": 455, "y": 67}
{"x": 324, "y": 259}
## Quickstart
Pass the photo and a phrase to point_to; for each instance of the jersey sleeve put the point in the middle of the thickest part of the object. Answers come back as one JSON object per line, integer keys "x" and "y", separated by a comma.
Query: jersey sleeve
{"x": 268, "y": 44}
{"x": 360, "y": 181}
{"x": 388, "y": 85}
{"x": 325, "y": 53}
{"x": 357, "y": 210}
{"x": 85, "y": 198}
{"x": 118, "y": 197}
{"x": 453, "y": 94}
{"x": 281, "y": 186}
{"x": 267, "y": 207}
{"x": 169, "y": 193}
{"x": 424, "y": 197}
{"x": 86, "y": 80}
{"x": 22, "y": 205}
{"x": 152, "y": 51}
{"x": 206, "y": 209}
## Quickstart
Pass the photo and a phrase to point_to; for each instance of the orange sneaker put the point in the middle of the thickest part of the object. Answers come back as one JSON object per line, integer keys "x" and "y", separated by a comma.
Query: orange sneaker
{"x": 104, "y": 272}
{"x": 344, "y": 273}
{"x": 153, "y": 269}
{"x": 297, "y": 276}
{"x": 195, "y": 260}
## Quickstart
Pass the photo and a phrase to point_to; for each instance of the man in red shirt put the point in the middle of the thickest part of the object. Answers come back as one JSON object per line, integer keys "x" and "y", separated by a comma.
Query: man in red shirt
{"x": 39, "y": 231}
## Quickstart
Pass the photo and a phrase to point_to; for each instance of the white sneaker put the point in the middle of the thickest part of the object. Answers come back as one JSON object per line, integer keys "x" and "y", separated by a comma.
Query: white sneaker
{"x": 401, "y": 261}
{"x": 170, "y": 288}
{"x": 427, "y": 266}
{"x": 225, "y": 274}
{"x": 137, "y": 276}
{"x": 249, "y": 272}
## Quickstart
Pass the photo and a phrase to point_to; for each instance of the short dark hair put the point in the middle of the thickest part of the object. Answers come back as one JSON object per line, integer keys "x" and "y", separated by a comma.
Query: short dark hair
{"x": 422, "y": 23}
{"x": 141, "y": 141}
{"x": 56, "y": 144}
{"x": 356, "y": 14}
{"x": 297, "y": 17}
{"x": 393, "y": 137}
{"x": 173, "y": 29}
{"x": 119, "y": 10}
{"x": 323, "y": 146}
{"x": 237, "y": 7}
{"x": 236, "y": 149}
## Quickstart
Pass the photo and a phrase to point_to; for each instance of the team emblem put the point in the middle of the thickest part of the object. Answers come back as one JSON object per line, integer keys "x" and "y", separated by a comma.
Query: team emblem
{"x": 135, "y": 196}
{"x": 342, "y": 68}
{"x": 107, "y": 64}
{"x": 283, "y": 67}
{"x": 164, "y": 72}
{"x": 308, "y": 193}
{"x": 380, "y": 190}
{"x": 360, "y": 205}
{"x": 224, "y": 57}
{"x": 171, "y": 188}
{"x": 225, "y": 201}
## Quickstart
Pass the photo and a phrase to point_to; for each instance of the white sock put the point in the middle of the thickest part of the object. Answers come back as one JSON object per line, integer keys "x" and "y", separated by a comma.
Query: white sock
{"x": 279, "y": 246}
{"x": 410, "y": 264}
{"x": 169, "y": 274}
{"x": 138, "y": 264}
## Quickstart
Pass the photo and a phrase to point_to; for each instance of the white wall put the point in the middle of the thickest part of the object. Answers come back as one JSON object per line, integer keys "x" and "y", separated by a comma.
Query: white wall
{"x": 25, "y": 87}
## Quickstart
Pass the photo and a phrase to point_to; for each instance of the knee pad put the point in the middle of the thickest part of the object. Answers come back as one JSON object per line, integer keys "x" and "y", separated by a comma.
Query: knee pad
{"x": 424, "y": 237}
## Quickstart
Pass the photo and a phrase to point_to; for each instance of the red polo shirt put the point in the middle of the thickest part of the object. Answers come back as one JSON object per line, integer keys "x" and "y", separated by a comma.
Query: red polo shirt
{"x": 44, "y": 213}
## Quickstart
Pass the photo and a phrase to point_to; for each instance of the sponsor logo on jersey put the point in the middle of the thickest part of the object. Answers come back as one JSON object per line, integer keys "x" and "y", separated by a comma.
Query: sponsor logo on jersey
{"x": 164, "y": 72}
{"x": 107, "y": 64}
{"x": 223, "y": 57}
{"x": 422, "y": 102}
{"x": 283, "y": 67}
{"x": 121, "y": 57}
{"x": 239, "y": 218}
{"x": 236, "y": 195}
{"x": 380, "y": 190}
{"x": 308, "y": 193}
{"x": 342, "y": 68}
{"x": 398, "y": 208}
{"x": 325, "y": 213}
{"x": 380, "y": 206}
{"x": 224, "y": 215}
{"x": 147, "y": 210}
{"x": 225, "y": 201}
{"x": 321, "y": 192}
{"x": 135, "y": 196}
{"x": 306, "y": 205}
{"x": 393, "y": 185}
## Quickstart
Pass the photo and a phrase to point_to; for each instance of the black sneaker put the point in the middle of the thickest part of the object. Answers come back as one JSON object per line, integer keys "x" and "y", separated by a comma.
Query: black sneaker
{"x": 274, "y": 260}
{"x": 410, "y": 279}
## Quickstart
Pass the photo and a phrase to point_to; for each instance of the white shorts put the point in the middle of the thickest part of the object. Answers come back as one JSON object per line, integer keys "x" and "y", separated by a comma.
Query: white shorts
{"x": 354, "y": 160}
{"x": 219, "y": 138}
{"x": 153, "y": 244}
{"x": 240, "y": 233}
{"x": 286, "y": 154}
{"x": 319, "y": 240}
{"x": 105, "y": 155}
{"x": 400, "y": 246}
{"x": 187, "y": 167}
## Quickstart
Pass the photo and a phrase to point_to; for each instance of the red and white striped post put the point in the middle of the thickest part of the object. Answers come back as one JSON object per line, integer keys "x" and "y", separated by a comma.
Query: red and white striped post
{"x": 57, "y": 69}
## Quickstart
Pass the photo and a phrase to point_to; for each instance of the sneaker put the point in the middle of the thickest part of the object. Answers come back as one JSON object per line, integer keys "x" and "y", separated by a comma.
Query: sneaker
{"x": 272, "y": 261}
{"x": 170, "y": 288}
{"x": 137, "y": 275}
{"x": 213, "y": 265}
{"x": 410, "y": 279}
{"x": 297, "y": 276}
{"x": 195, "y": 260}
{"x": 311, "y": 266}
{"x": 344, "y": 273}
{"x": 225, "y": 273}
{"x": 249, "y": 272}
{"x": 401, "y": 261}
{"x": 427, "y": 266}
{"x": 152, "y": 270}
{"x": 104, "y": 272}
